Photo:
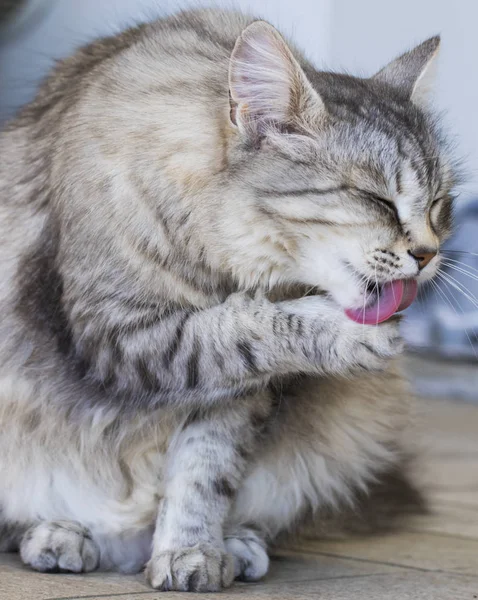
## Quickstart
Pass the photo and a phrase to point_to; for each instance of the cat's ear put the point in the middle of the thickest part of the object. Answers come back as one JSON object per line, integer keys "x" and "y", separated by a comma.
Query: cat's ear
{"x": 413, "y": 72}
{"x": 266, "y": 83}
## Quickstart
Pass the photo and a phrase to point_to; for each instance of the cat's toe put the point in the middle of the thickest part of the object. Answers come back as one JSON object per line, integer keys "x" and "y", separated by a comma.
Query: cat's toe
{"x": 202, "y": 568}
{"x": 59, "y": 546}
{"x": 251, "y": 561}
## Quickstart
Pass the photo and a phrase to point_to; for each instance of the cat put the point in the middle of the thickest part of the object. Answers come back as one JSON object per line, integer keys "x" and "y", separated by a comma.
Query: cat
{"x": 187, "y": 211}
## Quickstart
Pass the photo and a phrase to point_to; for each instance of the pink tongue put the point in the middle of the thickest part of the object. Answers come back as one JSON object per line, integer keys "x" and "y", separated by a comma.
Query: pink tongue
{"x": 394, "y": 297}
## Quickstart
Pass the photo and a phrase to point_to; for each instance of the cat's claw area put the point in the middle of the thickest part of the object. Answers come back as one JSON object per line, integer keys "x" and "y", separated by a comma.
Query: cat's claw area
{"x": 59, "y": 546}
{"x": 201, "y": 568}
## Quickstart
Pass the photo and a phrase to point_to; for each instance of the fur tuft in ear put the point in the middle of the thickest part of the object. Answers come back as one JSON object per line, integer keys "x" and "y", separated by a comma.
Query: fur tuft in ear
{"x": 267, "y": 85}
{"x": 413, "y": 72}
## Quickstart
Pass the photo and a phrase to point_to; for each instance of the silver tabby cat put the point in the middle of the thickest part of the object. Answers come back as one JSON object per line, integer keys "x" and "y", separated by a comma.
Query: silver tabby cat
{"x": 186, "y": 210}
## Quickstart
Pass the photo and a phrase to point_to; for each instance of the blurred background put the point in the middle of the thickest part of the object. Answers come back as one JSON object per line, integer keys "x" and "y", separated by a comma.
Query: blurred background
{"x": 355, "y": 36}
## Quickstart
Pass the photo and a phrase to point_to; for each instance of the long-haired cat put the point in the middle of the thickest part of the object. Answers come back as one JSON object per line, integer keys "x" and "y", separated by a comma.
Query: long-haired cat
{"x": 196, "y": 228}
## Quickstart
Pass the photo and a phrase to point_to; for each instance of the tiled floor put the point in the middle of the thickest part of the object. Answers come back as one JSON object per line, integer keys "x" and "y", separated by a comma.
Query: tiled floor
{"x": 434, "y": 557}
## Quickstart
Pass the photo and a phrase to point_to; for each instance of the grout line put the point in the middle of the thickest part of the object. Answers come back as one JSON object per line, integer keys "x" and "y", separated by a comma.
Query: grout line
{"x": 364, "y": 560}
{"x": 390, "y": 564}
{"x": 461, "y": 538}
{"x": 462, "y": 505}
{"x": 120, "y": 595}
{"x": 270, "y": 585}
{"x": 462, "y": 455}
{"x": 431, "y": 489}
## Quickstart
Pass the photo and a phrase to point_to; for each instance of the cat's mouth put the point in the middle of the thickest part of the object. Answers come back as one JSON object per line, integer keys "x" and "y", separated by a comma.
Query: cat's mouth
{"x": 384, "y": 300}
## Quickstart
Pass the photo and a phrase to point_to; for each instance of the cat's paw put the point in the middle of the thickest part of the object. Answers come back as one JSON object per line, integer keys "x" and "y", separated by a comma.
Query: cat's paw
{"x": 59, "y": 546}
{"x": 251, "y": 561}
{"x": 341, "y": 345}
{"x": 370, "y": 347}
{"x": 201, "y": 568}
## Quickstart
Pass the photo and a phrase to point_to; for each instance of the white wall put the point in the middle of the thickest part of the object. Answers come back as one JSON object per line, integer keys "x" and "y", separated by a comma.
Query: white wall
{"x": 358, "y": 35}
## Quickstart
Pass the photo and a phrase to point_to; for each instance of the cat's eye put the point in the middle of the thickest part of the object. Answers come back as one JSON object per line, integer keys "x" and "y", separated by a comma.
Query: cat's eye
{"x": 439, "y": 207}
{"x": 447, "y": 196}
{"x": 388, "y": 204}
{"x": 437, "y": 201}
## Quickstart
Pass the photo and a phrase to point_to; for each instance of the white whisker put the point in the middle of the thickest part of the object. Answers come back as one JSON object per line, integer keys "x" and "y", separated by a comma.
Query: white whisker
{"x": 456, "y": 284}
{"x": 447, "y": 299}
{"x": 458, "y": 270}
{"x": 459, "y": 252}
{"x": 461, "y": 269}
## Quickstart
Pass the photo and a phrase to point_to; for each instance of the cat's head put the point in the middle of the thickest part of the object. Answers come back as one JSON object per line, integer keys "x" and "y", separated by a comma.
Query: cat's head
{"x": 350, "y": 176}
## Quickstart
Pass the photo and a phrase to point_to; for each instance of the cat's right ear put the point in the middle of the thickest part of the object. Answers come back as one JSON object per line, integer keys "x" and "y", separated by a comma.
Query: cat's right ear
{"x": 413, "y": 73}
{"x": 267, "y": 86}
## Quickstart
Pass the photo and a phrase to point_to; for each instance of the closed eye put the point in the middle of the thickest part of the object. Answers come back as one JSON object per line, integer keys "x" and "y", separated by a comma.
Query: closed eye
{"x": 436, "y": 204}
{"x": 382, "y": 202}
{"x": 440, "y": 213}
{"x": 436, "y": 201}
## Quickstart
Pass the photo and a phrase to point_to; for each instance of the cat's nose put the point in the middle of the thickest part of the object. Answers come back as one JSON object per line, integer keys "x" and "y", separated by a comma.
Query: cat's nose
{"x": 423, "y": 256}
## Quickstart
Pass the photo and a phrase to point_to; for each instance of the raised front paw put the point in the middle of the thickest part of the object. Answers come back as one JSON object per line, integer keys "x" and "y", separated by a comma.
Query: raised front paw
{"x": 339, "y": 345}
{"x": 370, "y": 347}
{"x": 59, "y": 546}
{"x": 201, "y": 568}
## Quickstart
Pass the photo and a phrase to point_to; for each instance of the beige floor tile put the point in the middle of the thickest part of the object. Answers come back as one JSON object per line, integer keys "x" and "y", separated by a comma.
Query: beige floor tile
{"x": 20, "y": 583}
{"x": 408, "y": 549}
{"x": 445, "y": 473}
{"x": 460, "y": 497}
{"x": 399, "y": 585}
{"x": 450, "y": 519}
{"x": 288, "y": 566}
{"x": 449, "y": 428}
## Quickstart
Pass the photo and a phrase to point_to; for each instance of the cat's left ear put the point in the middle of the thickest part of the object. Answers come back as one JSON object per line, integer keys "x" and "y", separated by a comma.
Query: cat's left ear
{"x": 413, "y": 73}
{"x": 268, "y": 87}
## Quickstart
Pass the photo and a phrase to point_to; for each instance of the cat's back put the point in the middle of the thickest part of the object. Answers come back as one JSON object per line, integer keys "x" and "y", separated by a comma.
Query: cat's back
{"x": 155, "y": 89}
{"x": 170, "y": 64}
{"x": 144, "y": 60}
{"x": 189, "y": 43}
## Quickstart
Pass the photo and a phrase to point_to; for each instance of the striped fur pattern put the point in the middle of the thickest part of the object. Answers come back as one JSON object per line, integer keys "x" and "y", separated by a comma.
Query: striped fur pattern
{"x": 185, "y": 211}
